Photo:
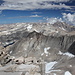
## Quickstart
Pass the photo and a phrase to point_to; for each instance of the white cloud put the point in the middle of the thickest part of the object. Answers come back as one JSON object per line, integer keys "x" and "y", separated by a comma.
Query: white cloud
{"x": 33, "y": 4}
{"x": 36, "y": 12}
{"x": 35, "y": 16}
{"x": 23, "y": 16}
{"x": 53, "y": 20}
{"x": 24, "y": 1}
{"x": 69, "y": 18}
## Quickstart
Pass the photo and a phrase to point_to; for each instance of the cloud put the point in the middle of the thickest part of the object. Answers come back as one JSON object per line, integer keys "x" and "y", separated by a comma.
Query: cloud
{"x": 31, "y": 16}
{"x": 66, "y": 17}
{"x": 35, "y": 16}
{"x": 69, "y": 10}
{"x": 36, "y": 12}
{"x": 69, "y": 18}
{"x": 34, "y": 4}
{"x": 53, "y": 20}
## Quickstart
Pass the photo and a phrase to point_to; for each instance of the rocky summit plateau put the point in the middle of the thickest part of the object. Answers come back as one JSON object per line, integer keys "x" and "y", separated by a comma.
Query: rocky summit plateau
{"x": 37, "y": 49}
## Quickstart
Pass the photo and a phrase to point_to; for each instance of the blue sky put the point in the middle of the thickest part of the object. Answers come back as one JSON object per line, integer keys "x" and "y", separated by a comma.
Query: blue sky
{"x": 9, "y": 16}
{"x": 12, "y": 11}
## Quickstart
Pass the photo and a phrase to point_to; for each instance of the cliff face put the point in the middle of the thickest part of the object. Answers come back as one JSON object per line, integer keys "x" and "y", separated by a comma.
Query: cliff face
{"x": 36, "y": 42}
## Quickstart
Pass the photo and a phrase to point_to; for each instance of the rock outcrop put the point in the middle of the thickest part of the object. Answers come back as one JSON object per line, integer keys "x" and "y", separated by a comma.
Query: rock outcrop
{"x": 40, "y": 45}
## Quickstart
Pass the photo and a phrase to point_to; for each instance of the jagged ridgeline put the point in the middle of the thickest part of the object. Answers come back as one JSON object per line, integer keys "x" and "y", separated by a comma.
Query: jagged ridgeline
{"x": 41, "y": 41}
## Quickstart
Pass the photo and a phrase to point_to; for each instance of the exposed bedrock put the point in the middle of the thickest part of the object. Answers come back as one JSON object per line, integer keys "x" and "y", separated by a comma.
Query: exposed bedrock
{"x": 13, "y": 36}
{"x": 35, "y": 43}
{"x": 30, "y": 44}
{"x": 37, "y": 37}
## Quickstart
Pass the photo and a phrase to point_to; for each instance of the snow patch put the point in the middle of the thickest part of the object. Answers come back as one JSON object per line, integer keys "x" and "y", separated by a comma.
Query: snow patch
{"x": 70, "y": 65}
{"x": 67, "y": 73}
{"x": 62, "y": 28}
{"x": 42, "y": 54}
{"x": 57, "y": 31}
{"x": 25, "y": 49}
{"x": 31, "y": 38}
{"x": 54, "y": 74}
{"x": 10, "y": 52}
{"x": 6, "y": 43}
{"x": 29, "y": 27}
{"x": 49, "y": 66}
{"x": 55, "y": 70}
{"x": 46, "y": 55}
{"x": 36, "y": 30}
{"x": 60, "y": 53}
{"x": 6, "y": 32}
{"x": 67, "y": 53}
{"x": 46, "y": 50}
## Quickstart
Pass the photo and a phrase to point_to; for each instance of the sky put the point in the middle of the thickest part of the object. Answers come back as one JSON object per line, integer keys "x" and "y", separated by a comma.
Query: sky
{"x": 51, "y": 11}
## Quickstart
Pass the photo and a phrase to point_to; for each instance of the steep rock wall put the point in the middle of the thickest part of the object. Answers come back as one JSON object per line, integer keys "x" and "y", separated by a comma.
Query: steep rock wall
{"x": 34, "y": 44}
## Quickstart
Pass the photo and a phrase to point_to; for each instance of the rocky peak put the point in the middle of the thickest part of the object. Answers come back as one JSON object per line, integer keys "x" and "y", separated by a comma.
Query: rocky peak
{"x": 64, "y": 26}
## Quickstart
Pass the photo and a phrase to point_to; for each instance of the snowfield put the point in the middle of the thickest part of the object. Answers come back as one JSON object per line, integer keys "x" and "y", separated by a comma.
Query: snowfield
{"x": 49, "y": 66}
